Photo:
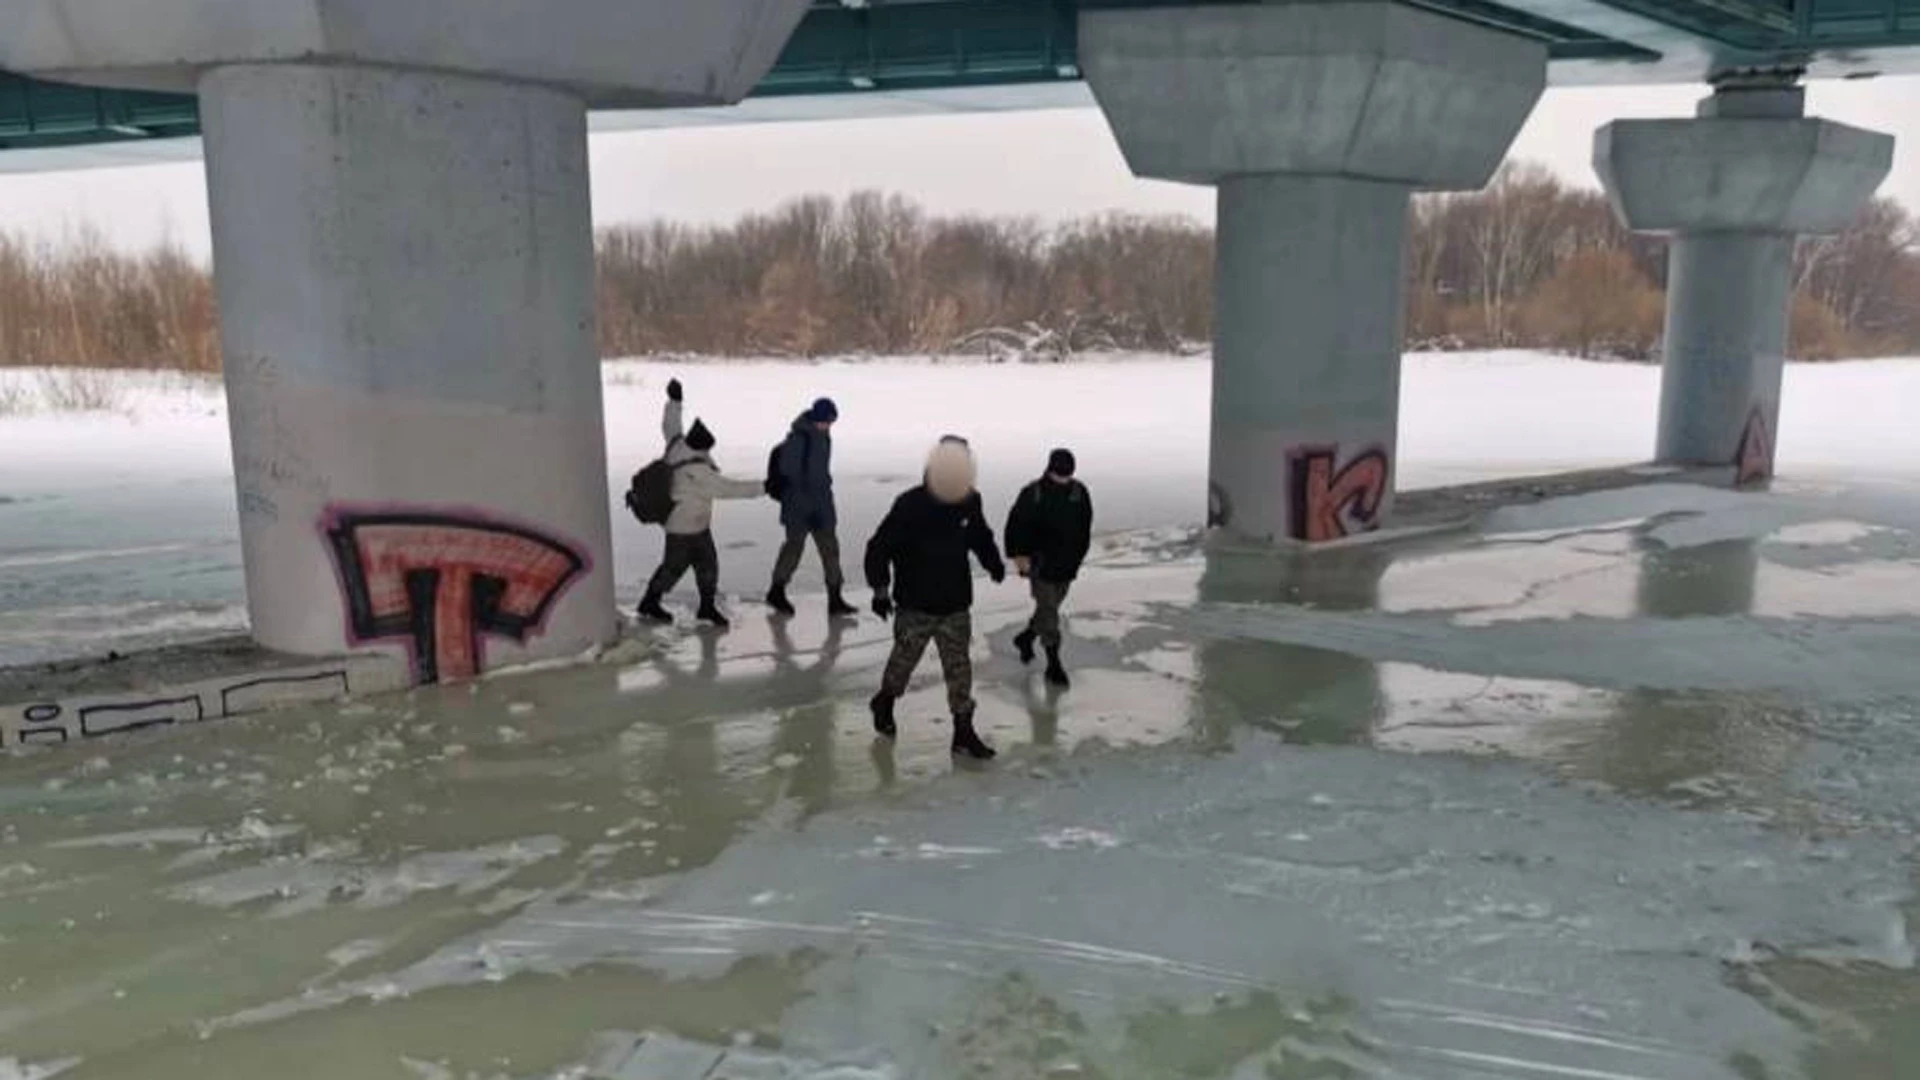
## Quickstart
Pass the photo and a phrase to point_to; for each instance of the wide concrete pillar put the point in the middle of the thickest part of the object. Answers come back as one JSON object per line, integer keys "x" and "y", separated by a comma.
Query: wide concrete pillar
{"x": 406, "y": 283}
{"x": 404, "y": 255}
{"x": 1735, "y": 188}
{"x": 1316, "y": 121}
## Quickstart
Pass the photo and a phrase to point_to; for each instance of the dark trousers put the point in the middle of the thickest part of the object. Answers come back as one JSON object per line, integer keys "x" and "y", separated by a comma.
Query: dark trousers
{"x": 789, "y": 561}
{"x": 695, "y": 551}
{"x": 952, "y": 635}
{"x": 1048, "y": 596}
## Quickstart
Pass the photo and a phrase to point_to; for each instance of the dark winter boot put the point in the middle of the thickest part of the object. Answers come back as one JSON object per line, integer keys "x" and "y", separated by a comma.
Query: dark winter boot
{"x": 1056, "y": 672}
{"x": 882, "y": 706}
{"x": 966, "y": 741}
{"x": 838, "y": 608}
{"x": 651, "y": 611}
{"x": 710, "y": 613}
{"x": 777, "y": 600}
{"x": 1023, "y": 641}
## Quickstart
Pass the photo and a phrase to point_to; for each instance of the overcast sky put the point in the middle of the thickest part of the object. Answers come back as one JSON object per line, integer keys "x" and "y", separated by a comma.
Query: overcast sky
{"x": 1053, "y": 164}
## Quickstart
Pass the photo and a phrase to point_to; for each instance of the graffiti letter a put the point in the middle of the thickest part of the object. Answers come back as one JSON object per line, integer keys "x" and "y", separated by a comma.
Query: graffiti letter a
{"x": 1754, "y": 462}
{"x": 442, "y": 581}
{"x": 1327, "y": 504}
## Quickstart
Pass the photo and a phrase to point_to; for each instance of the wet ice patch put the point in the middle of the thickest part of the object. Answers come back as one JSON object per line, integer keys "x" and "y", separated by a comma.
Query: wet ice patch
{"x": 1759, "y": 516}
{"x": 1865, "y": 589}
{"x": 1488, "y": 578}
{"x": 1612, "y": 508}
{"x": 1463, "y": 912}
{"x": 1840, "y": 661}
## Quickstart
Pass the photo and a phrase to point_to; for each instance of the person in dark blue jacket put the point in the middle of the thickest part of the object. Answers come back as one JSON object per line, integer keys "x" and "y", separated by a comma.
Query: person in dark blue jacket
{"x": 805, "y": 491}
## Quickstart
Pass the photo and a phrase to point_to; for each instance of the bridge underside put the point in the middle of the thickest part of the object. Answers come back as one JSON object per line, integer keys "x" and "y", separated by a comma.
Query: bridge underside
{"x": 903, "y": 57}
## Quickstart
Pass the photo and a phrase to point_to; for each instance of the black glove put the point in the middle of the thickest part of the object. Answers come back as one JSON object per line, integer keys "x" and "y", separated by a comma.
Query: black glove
{"x": 674, "y": 392}
{"x": 882, "y": 605}
{"x": 998, "y": 574}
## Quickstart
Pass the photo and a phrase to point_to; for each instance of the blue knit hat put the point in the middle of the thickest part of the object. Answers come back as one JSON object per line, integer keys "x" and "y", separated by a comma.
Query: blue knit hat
{"x": 824, "y": 411}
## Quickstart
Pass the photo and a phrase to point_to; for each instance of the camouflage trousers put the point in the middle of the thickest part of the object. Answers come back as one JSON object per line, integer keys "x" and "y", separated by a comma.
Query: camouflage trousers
{"x": 1045, "y": 624}
{"x": 952, "y": 635}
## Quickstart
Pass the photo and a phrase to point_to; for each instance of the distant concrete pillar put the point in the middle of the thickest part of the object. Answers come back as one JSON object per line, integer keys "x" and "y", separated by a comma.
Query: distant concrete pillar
{"x": 1735, "y": 187}
{"x": 404, "y": 252}
{"x": 1316, "y": 121}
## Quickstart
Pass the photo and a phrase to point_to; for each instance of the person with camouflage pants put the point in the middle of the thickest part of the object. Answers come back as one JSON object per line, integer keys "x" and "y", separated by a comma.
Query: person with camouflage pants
{"x": 918, "y": 561}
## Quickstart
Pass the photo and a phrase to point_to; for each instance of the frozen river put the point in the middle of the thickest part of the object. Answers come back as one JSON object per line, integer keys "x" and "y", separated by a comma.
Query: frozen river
{"x": 1622, "y": 788}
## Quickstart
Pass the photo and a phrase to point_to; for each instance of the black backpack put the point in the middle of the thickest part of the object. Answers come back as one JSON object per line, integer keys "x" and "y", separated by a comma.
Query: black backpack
{"x": 650, "y": 494}
{"x": 777, "y": 484}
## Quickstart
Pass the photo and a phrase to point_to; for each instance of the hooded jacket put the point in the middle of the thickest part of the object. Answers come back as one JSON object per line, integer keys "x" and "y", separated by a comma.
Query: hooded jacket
{"x": 697, "y": 481}
{"x": 1052, "y": 525}
{"x": 920, "y": 550}
{"x": 806, "y": 461}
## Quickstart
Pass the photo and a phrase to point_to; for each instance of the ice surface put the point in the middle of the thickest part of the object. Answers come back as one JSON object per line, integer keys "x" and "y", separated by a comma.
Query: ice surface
{"x": 1454, "y": 902}
{"x": 1621, "y": 788}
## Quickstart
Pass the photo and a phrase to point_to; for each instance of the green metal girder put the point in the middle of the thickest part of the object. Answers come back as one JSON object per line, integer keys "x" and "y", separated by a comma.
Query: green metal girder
{"x": 926, "y": 44}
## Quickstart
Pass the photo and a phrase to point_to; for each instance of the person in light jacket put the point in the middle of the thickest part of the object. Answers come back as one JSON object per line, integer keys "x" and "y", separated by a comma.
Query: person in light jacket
{"x": 697, "y": 482}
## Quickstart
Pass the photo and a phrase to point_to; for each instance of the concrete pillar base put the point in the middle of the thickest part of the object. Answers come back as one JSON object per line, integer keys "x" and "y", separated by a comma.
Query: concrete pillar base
{"x": 406, "y": 289}
{"x": 1729, "y": 295}
{"x": 1306, "y": 384}
{"x": 1735, "y": 187}
{"x": 1316, "y": 121}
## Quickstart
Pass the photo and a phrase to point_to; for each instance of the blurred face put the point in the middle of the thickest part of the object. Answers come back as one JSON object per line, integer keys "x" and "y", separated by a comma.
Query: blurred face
{"x": 823, "y": 425}
{"x": 950, "y": 471}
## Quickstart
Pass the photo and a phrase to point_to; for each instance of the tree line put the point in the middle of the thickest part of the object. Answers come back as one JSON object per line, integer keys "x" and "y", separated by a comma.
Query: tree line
{"x": 1527, "y": 262}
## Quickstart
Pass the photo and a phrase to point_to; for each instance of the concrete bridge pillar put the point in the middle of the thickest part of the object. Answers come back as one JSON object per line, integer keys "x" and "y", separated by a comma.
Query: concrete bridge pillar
{"x": 1316, "y": 122}
{"x": 404, "y": 255}
{"x": 1735, "y": 187}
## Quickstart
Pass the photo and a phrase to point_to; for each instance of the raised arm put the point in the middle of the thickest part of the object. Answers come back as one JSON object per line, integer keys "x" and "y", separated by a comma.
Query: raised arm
{"x": 670, "y": 428}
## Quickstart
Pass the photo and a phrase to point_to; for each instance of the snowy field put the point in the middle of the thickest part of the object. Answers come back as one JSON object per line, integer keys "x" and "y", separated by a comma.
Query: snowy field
{"x": 118, "y": 527}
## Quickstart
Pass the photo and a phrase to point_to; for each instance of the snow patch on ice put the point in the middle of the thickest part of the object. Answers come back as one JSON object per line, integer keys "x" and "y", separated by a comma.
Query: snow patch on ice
{"x": 1826, "y": 533}
{"x": 15, "y": 1069}
{"x": 302, "y": 884}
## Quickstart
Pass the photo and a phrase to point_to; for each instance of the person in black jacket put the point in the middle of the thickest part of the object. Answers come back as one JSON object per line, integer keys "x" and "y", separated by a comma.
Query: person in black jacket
{"x": 917, "y": 560}
{"x": 1049, "y": 531}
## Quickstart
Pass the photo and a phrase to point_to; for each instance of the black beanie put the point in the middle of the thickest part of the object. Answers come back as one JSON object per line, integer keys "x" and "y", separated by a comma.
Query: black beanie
{"x": 699, "y": 438}
{"x": 1060, "y": 462}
